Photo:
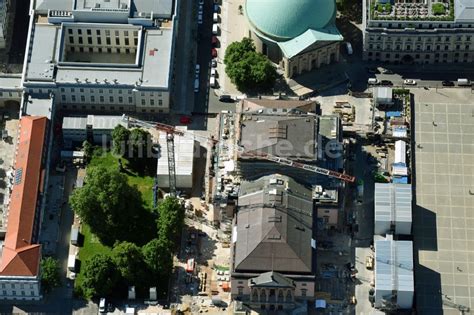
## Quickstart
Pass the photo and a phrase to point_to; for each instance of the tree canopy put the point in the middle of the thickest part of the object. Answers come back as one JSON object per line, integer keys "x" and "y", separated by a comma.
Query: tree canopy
{"x": 158, "y": 258}
{"x": 140, "y": 142}
{"x": 129, "y": 260}
{"x": 50, "y": 277}
{"x": 111, "y": 207}
{"x": 170, "y": 219}
{"x": 120, "y": 136}
{"x": 100, "y": 276}
{"x": 248, "y": 69}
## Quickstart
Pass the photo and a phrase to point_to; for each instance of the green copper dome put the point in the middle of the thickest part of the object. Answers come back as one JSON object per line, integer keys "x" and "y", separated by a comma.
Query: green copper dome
{"x": 283, "y": 20}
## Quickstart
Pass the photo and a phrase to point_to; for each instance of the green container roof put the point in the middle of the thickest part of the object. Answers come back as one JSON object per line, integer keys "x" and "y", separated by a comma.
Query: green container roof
{"x": 282, "y": 20}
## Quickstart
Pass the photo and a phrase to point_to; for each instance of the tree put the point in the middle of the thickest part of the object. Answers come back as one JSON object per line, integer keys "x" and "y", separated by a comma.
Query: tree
{"x": 130, "y": 263}
{"x": 247, "y": 69}
{"x": 158, "y": 258}
{"x": 50, "y": 277}
{"x": 111, "y": 207}
{"x": 88, "y": 150}
{"x": 100, "y": 276}
{"x": 120, "y": 137}
{"x": 140, "y": 142}
{"x": 170, "y": 220}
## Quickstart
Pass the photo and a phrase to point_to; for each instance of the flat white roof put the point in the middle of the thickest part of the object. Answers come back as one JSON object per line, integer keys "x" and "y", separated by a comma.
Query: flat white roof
{"x": 394, "y": 265}
{"x": 10, "y": 82}
{"x": 104, "y": 121}
{"x": 75, "y": 123}
{"x": 153, "y": 72}
{"x": 184, "y": 154}
{"x": 43, "y": 53}
{"x": 383, "y": 93}
{"x": 157, "y": 57}
{"x": 393, "y": 202}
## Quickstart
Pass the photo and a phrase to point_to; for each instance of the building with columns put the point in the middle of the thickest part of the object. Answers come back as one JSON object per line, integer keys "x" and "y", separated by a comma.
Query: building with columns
{"x": 101, "y": 55}
{"x": 299, "y": 35}
{"x": 273, "y": 251}
{"x": 408, "y": 32}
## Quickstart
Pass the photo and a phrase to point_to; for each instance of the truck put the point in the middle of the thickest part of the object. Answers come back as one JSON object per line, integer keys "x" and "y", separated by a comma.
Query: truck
{"x": 71, "y": 263}
{"x": 464, "y": 82}
{"x": 74, "y": 236}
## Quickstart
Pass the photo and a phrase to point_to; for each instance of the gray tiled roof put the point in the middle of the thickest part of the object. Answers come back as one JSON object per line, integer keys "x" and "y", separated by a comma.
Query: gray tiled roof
{"x": 274, "y": 226}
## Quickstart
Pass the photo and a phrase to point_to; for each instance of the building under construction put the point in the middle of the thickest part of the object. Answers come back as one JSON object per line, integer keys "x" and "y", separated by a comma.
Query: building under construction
{"x": 184, "y": 148}
{"x": 290, "y": 134}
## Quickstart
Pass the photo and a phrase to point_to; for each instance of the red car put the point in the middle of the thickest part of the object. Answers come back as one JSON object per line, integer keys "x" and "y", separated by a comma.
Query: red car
{"x": 185, "y": 120}
{"x": 214, "y": 52}
{"x": 215, "y": 41}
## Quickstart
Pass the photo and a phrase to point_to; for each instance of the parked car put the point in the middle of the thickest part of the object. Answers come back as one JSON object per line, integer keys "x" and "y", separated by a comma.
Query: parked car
{"x": 226, "y": 98}
{"x": 200, "y": 9}
{"x": 409, "y": 82}
{"x": 447, "y": 83}
{"x": 373, "y": 81}
{"x": 185, "y": 120}
{"x": 198, "y": 68}
{"x": 214, "y": 72}
{"x": 386, "y": 82}
{"x": 217, "y": 8}
{"x": 102, "y": 304}
{"x": 373, "y": 70}
{"x": 201, "y": 2}
{"x": 215, "y": 41}
{"x": 200, "y": 18}
{"x": 214, "y": 53}
{"x": 213, "y": 63}
{"x": 213, "y": 82}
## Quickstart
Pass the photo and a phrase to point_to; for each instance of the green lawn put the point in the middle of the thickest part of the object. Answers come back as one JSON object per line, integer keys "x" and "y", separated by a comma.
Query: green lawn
{"x": 144, "y": 184}
{"x": 90, "y": 247}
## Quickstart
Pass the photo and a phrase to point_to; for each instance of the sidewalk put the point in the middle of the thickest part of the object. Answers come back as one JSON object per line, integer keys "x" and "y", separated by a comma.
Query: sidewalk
{"x": 233, "y": 27}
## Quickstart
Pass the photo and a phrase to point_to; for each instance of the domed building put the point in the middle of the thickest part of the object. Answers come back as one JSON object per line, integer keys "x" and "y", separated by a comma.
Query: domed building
{"x": 299, "y": 35}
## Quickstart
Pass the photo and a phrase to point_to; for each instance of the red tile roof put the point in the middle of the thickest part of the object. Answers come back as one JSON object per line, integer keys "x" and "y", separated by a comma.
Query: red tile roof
{"x": 20, "y": 257}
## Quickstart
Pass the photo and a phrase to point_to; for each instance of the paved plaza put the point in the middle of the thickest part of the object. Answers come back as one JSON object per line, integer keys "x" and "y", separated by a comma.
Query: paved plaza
{"x": 443, "y": 226}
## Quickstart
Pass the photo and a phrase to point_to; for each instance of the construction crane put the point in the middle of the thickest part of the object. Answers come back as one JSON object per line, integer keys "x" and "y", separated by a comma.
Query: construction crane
{"x": 171, "y": 131}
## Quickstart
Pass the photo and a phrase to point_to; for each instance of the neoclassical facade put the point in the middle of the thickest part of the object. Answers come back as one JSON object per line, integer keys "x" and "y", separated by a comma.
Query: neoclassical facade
{"x": 425, "y": 39}
{"x": 299, "y": 35}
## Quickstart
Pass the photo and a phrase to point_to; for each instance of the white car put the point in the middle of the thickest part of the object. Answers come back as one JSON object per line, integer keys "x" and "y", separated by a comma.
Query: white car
{"x": 198, "y": 68}
{"x": 200, "y": 10}
{"x": 214, "y": 72}
{"x": 409, "y": 82}
{"x": 200, "y": 18}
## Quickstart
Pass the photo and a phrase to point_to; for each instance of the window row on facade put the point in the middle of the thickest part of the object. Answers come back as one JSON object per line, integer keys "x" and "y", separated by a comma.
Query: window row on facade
{"x": 437, "y": 56}
{"x": 420, "y": 25}
{"x": 418, "y": 47}
{"x": 110, "y": 108}
{"x": 101, "y": 32}
{"x": 420, "y": 39}
{"x": 111, "y": 99}
{"x": 98, "y": 41}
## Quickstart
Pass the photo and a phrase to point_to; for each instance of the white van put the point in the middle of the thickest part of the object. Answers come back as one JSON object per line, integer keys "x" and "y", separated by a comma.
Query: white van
{"x": 196, "y": 85}
{"x": 373, "y": 81}
{"x": 102, "y": 308}
{"x": 215, "y": 18}
{"x": 215, "y": 29}
{"x": 212, "y": 82}
{"x": 464, "y": 82}
{"x": 350, "y": 51}
{"x": 71, "y": 263}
